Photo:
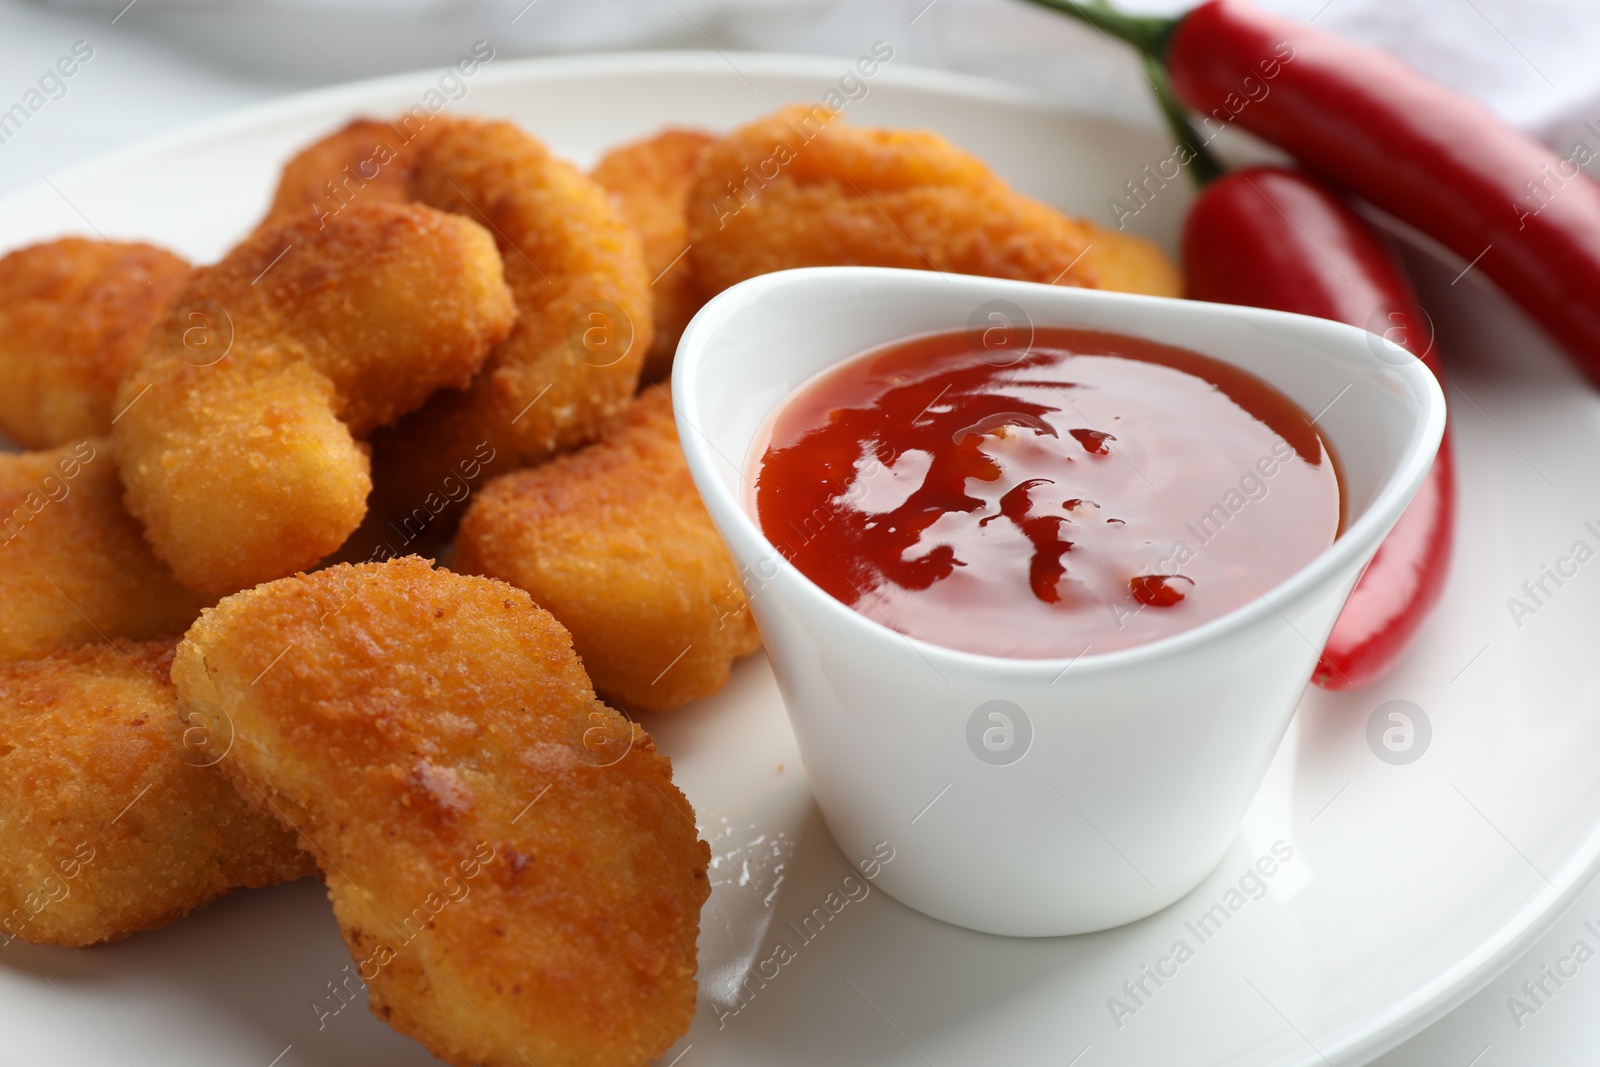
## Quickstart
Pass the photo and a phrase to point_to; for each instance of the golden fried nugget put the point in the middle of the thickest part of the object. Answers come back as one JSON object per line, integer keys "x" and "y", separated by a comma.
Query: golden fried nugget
{"x": 615, "y": 543}
{"x": 109, "y": 823}
{"x": 584, "y": 321}
{"x": 649, "y": 181}
{"x": 366, "y": 160}
{"x": 73, "y": 315}
{"x": 74, "y": 566}
{"x": 802, "y": 188}
{"x": 1128, "y": 264}
{"x": 239, "y": 443}
{"x": 571, "y": 364}
{"x": 515, "y": 874}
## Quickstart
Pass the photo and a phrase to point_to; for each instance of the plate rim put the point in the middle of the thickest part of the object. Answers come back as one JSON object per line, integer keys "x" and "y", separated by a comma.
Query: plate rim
{"x": 686, "y": 61}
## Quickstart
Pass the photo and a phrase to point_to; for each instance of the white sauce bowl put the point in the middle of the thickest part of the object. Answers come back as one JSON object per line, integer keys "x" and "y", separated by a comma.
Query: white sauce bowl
{"x": 1041, "y": 797}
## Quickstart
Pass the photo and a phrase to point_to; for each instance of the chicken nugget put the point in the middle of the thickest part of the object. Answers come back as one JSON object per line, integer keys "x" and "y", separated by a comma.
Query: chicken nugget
{"x": 649, "y": 181}
{"x": 74, "y": 566}
{"x": 584, "y": 322}
{"x": 109, "y": 823}
{"x": 239, "y": 443}
{"x": 571, "y": 364}
{"x": 73, "y": 316}
{"x": 1124, "y": 263}
{"x": 515, "y": 874}
{"x": 803, "y": 188}
{"x": 366, "y": 160}
{"x": 615, "y": 543}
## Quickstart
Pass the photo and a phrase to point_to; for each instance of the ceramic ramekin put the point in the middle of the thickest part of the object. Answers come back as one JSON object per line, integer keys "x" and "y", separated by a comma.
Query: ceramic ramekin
{"x": 1040, "y": 797}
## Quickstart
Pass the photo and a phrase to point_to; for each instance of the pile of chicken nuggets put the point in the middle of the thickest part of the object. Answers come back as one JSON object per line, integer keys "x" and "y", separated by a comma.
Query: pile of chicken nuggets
{"x": 227, "y": 660}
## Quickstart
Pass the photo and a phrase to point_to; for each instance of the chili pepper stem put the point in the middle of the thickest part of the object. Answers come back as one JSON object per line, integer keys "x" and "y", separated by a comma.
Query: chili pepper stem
{"x": 1203, "y": 166}
{"x": 1149, "y": 34}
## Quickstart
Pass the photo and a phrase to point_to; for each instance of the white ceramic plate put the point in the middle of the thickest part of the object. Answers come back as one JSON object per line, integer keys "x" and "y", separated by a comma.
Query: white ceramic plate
{"x": 1409, "y": 884}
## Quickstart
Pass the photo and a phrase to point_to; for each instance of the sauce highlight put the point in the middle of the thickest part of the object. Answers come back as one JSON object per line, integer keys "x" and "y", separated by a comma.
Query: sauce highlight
{"x": 1086, "y": 492}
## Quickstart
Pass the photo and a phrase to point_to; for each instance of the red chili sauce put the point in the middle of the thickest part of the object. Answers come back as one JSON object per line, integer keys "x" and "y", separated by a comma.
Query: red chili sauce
{"x": 1085, "y": 492}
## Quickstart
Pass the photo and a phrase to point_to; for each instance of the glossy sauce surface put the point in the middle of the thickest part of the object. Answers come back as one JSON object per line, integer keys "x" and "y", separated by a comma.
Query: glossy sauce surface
{"x": 1068, "y": 493}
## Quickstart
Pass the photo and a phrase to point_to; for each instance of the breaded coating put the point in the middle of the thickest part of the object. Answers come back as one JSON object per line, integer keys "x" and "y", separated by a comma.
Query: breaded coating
{"x": 1129, "y": 264}
{"x": 803, "y": 188}
{"x": 649, "y": 181}
{"x": 109, "y": 823}
{"x": 615, "y": 543}
{"x": 584, "y": 322}
{"x": 516, "y": 876}
{"x": 571, "y": 364}
{"x": 74, "y": 566}
{"x": 73, "y": 316}
{"x": 239, "y": 445}
{"x": 366, "y": 160}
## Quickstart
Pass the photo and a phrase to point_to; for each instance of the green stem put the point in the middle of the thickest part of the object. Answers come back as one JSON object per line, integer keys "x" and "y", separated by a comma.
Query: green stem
{"x": 1149, "y": 34}
{"x": 1203, "y": 166}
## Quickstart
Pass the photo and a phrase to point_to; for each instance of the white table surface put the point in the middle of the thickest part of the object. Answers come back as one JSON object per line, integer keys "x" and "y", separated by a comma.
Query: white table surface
{"x": 145, "y": 79}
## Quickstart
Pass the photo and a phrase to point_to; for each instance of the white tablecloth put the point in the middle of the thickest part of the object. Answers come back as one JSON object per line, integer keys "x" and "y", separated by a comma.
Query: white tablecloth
{"x": 162, "y": 64}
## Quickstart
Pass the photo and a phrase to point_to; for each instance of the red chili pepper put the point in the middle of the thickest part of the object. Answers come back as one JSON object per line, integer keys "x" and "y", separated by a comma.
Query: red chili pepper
{"x": 1276, "y": 238}
{"x": 1431, "y": 157}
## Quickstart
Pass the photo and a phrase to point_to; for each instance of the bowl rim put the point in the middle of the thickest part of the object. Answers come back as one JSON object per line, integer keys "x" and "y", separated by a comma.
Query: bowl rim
{"x": 1360, "y": 538}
